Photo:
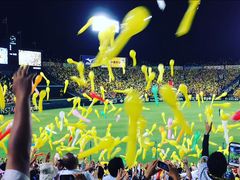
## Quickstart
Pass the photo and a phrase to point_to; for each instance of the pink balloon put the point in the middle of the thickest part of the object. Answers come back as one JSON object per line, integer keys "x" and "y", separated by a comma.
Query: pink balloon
{"x": 170, "y": 120}
{"x": 78, "y": 115}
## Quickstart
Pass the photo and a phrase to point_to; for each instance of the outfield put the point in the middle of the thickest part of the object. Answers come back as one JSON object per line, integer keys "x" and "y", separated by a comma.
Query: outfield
{"x": 120, "y": 128}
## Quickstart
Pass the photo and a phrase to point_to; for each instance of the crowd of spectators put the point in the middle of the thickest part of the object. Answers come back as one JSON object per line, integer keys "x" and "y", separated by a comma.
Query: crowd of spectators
{"x": 9, "y": 96}
{"x": 210, "y": 81}
{"x": 21, "y": 165}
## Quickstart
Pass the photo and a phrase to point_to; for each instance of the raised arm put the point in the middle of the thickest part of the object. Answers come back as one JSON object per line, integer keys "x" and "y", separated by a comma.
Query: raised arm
{"x": 205, "y": 146}
{"x": 20, "y": 138}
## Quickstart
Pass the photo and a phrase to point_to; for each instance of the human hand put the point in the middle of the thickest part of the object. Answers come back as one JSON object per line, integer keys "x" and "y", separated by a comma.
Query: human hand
{"x": 22, "y": 83}
{"x": 121, "y": 174}
{"x": 208, "y": 128}
{"x": 151, "y": 169}
{"x": 172, "y": 171}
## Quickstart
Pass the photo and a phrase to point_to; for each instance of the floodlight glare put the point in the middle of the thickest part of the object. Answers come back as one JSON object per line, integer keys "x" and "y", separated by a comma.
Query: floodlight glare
{"x": 100, "y": 23}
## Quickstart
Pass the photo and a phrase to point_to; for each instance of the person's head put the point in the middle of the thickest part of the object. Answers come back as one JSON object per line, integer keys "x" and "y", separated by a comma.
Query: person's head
{"x": 114, "y": 165}
{"x": 47, "y": 171}
{"x": 217, "y": 164}
{"x": 100, "y": 172}
{"x": 70, "y": 161}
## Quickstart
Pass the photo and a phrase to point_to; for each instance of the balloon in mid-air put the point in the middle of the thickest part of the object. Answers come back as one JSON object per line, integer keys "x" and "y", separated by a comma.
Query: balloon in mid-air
{"x": 132, "y": 54}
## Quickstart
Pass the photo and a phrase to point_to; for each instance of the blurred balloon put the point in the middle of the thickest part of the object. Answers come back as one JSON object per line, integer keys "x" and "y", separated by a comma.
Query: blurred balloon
{"x": 133, "y": 107}
{"x": 37, "y": 81}
{"x": 133, "y": 23}
{"x": 169, "y": 97}
{"x": 188, "y": 17}
{"x": 84, "y": 28}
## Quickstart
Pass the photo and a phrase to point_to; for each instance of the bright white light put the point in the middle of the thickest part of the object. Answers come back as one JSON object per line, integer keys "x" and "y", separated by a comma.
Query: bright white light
{"x": 100, "y": 23}
{"x": 161, "y": 4}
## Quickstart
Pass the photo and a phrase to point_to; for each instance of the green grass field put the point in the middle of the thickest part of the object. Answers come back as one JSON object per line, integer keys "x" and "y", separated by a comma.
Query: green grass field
{"x": 120, "y": 128}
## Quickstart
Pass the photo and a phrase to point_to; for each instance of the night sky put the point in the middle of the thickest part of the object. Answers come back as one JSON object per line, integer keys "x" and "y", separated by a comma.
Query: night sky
{"x": 215, "y": 33}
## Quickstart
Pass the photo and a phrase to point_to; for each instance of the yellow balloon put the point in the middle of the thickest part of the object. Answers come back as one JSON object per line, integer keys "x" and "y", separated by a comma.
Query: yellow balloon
{"x": 133, "y": 107}
{"x": 35, "y": 118}
{"x": 66, "y": 82}
{"x": 48, "y": 92}
{"x": 169, "y": 96}
{"x": 134, "y": 22}
{"x": 184, "y": 90}
{"x": 71, "y": 61}
{"x": 201, "y": 95}
{"x": 171, "y": 63}
{"x": 80, "y": 68}
{"x": 125, "y": 91}
{"x": 1, "y": 117}
{"x": 144, "y": 70}
{"x": 213, "y": 98}
{"x": 161, "y": 72}
{"x": 150, "y": 79}
{"x": 102, "y": 92}
{"x": 84, "y": 28}
{"x": 132, "y": 54}
{"x": 61, "y": 140}
{"x": 224, "y": 116}
{"x": 97, "y": 113}
{"x": 221, "y": 96}
{"x": 154, "y": 150}
{"x": 188, "y": 17}
{"x": 86, "y": 96}
{"x": 2, "y": 98}
{"x": 200, "y": 117}
{"x": 163, "y": 117}
{"x": 115, "y": 152}
{"x": 102, "y": 145}
{"x": 91, "y": 77}
{"x": 4, "y": 89}
{"x": 41, "y": 97}
{"x": 46, "y": 79}
{"x": 223, "y": 105}
{"x": 198, "y": 100}
{"x": 34, "y": 100}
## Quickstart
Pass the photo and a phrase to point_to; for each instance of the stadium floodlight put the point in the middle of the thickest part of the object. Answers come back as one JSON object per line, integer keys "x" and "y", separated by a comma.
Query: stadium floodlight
{"x": 101, "y": 22}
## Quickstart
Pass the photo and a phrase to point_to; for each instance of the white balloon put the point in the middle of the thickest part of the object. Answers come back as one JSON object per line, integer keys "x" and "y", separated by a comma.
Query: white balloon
{"x": 118, "y": 117}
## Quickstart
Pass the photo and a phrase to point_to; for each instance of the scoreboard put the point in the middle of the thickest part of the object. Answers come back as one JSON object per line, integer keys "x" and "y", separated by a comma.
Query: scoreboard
{"x": 11, "y": 57}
